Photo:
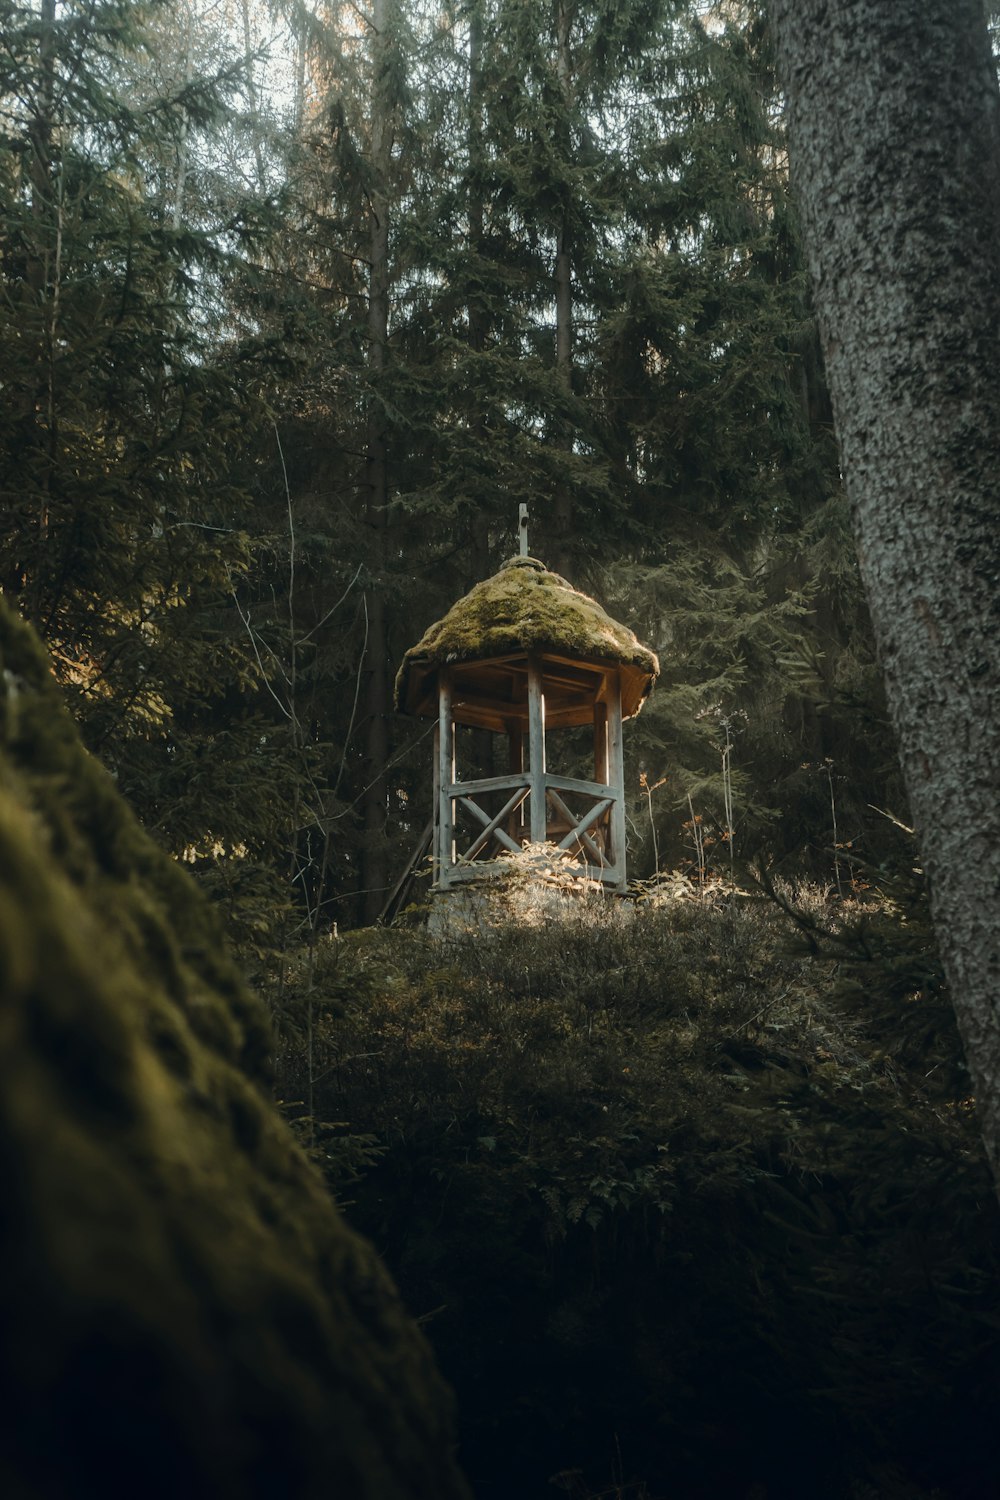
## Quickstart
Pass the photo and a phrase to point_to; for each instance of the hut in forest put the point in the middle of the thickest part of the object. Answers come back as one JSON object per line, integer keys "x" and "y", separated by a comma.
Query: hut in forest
{"x": 529, "y": 681}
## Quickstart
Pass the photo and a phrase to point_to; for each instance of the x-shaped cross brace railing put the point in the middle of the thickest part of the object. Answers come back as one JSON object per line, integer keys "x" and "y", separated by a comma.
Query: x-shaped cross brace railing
{"x": 578, "y": 826}
{"x": 491, "y": 826}
{"x": 578, "y": 831}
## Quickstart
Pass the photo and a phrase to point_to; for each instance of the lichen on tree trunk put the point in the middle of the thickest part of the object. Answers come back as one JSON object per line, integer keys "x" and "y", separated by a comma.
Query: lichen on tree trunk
{"x": 894, "y": 123}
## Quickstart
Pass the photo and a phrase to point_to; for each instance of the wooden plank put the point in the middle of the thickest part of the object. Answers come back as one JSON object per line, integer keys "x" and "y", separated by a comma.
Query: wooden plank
{"x": 601, "y": 743}
{"x": 401, "y": 888}
{"x": 536, "y": 750}
{"x": 616, "y": 778}
{"x": 482, "y": 871}
{"x": 487, "y": 695}
{"x": 512, "y": 665}
{"x": 491, "y": 828}
{"x": 436, "y": 808}
{"x": 515, "y": 755}
{"x": 597, "y": 665}
{"x": 564, "y": 669}
{"x": 446, "y": 776}
{"x": 577, "y": 716}
{"x": 474, "y": 663}
{"x": 488, "y": 784}
{"x": 483, "y": 693}
{"x": 578, "y": 831}
{"x": 589, "y": 819}
{"x": 493, "y": 719}
{"x": 576, "y": 784}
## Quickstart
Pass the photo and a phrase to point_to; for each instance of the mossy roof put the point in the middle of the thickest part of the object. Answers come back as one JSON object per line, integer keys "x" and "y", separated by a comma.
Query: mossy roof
{"x": 526, "y": 608}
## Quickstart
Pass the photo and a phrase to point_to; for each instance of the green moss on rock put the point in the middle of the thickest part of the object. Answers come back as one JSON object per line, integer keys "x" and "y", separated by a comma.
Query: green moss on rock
{"x": 184, "y": 1311}
{"x": 524, "y": 607}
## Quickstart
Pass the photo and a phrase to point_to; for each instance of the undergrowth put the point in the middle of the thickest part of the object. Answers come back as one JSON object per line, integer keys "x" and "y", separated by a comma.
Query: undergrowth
{"x": 686, "y": 1192}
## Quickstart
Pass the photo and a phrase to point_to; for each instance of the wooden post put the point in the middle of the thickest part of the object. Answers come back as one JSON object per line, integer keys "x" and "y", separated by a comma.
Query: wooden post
{"x": 522, "y": 529}
{"x": 536, "y": 750}
{"x": 445, "y": 778}
{"x": 616, "y": 778}
{"x": 603, "y": 830}
{"x": 515, "y": 758}
{"x": 436, "y": 807}
{"x": 601, "y": 743}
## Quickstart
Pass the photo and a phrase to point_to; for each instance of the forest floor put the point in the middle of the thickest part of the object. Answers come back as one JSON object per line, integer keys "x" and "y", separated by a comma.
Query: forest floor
{"x": 684, "y": 1189}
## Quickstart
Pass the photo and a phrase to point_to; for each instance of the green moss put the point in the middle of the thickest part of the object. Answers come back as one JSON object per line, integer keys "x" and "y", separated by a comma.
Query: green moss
{"x": 524, "y": 607}
{"x": 184, "y": 1311}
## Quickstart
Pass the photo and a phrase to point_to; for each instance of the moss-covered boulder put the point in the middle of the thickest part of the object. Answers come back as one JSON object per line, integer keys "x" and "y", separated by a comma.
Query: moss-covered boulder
{"x": 183, "y": 1311}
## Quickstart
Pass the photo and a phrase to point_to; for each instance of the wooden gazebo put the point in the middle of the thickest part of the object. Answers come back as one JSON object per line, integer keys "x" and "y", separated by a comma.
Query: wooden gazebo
{"x": 524, "y": 654}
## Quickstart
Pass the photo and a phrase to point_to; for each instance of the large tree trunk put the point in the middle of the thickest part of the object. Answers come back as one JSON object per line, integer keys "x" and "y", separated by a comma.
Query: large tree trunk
{"x": 894, "y": 122}
{"x": 478, "y": 316}
{"x": 374, "y": 861}
{"x": 563, "y": 278}
{"x": 477, "y": 312}
{"x": 43, "y": 274}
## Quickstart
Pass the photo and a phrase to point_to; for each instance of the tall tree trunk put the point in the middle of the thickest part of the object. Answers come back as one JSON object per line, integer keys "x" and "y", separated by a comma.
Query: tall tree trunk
{"x": 479, "y": 527}
{"x": 183, "y": 150}
{"x": 894, "y": 121}
{"x": 33, "y": 401}
{"x": 374, "y": 862}
{"x": 479, "y": 531}
{"x": 252, "y": 98}
{"x": 43, "y": 272}
{"x": 563, "y": 510}
{"x": 40, "y": 133}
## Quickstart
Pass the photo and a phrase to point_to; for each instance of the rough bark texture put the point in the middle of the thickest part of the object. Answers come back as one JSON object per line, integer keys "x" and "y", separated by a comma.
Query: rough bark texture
{"x": 183, "y": 1312}
{"x": 894, "y": 124}
{"x": 374, "y": 863}
{"x": 563, "y": 278}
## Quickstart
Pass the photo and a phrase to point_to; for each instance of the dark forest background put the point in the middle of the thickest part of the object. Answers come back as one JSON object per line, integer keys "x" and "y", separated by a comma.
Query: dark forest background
{"x": 298, "y": 309}
{"x": 298, "y": 303}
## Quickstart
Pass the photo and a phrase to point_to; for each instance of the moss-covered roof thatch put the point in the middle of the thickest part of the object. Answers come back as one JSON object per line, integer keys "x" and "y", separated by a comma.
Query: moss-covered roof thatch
{"x": 525, "y": 608}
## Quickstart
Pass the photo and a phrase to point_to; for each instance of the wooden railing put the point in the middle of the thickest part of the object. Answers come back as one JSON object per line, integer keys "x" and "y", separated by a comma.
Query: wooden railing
{"x": 476, "y": 820}
{"x": 498, "y": 813}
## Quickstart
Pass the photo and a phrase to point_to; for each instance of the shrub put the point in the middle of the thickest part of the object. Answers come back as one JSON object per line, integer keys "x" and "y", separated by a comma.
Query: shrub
{"x": 663, "y": 1189}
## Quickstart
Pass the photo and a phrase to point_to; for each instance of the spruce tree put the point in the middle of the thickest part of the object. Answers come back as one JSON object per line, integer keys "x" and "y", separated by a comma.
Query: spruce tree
{"x": 689, "y": 427}
{"x": 122, "y": 529}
